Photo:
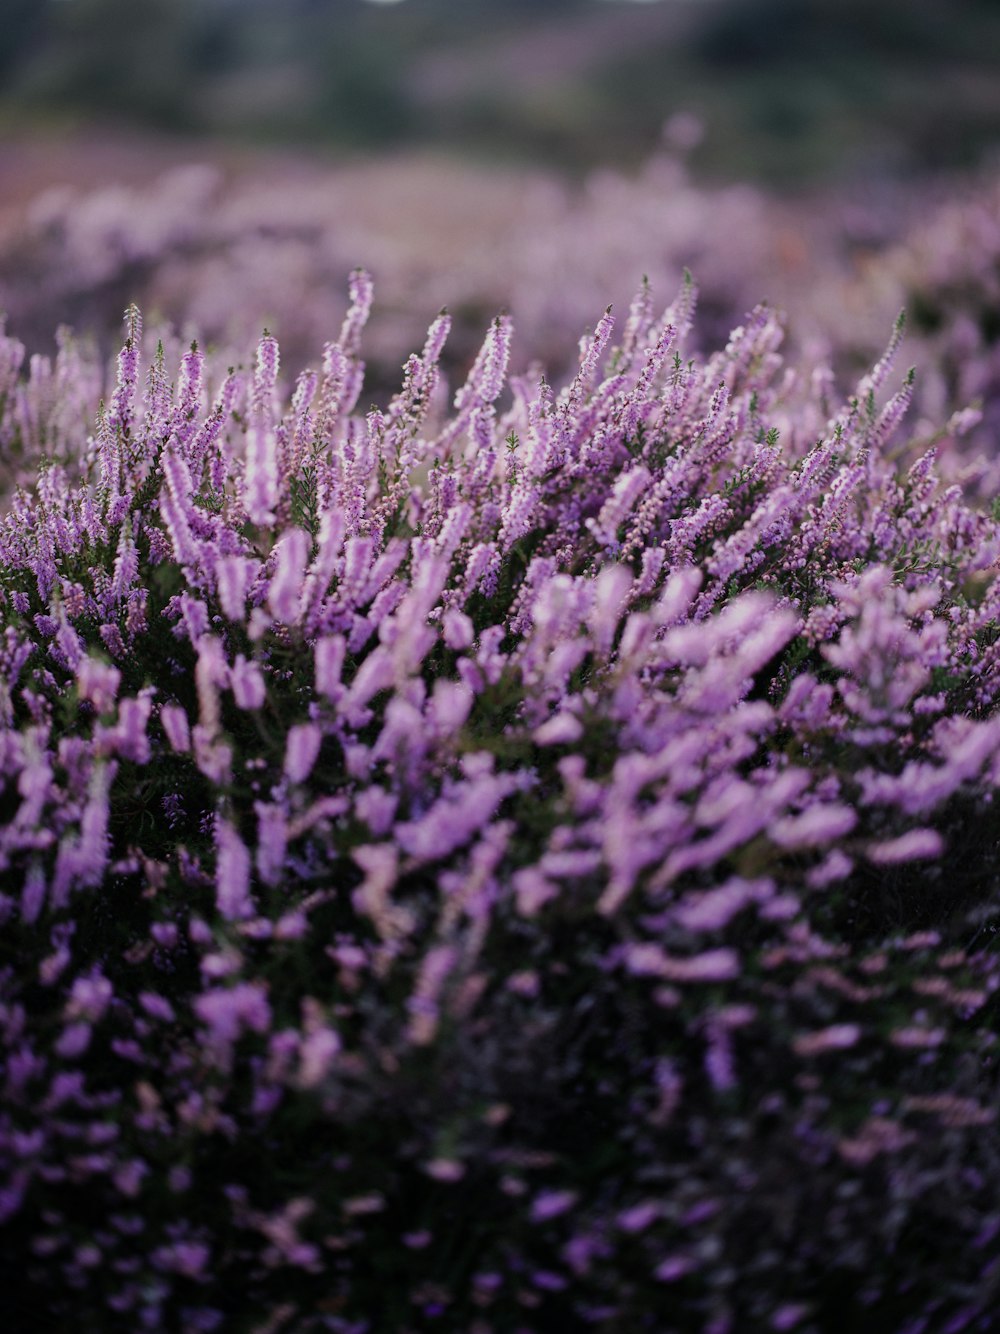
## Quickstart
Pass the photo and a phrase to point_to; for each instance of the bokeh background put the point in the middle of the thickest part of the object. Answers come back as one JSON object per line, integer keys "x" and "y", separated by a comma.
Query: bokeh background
{"x": 227, "y": 162}
{"x": 790, "y": 91}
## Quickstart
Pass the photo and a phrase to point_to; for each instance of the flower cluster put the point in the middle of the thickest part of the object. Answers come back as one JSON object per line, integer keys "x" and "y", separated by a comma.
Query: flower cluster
{"x": 508, "y": 860}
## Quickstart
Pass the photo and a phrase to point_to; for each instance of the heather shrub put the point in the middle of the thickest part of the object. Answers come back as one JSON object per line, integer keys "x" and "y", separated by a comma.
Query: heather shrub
{"x": 515, "y": 861}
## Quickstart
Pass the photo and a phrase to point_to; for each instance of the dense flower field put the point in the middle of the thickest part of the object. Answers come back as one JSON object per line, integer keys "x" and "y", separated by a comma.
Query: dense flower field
{"x": 512, "y": 860}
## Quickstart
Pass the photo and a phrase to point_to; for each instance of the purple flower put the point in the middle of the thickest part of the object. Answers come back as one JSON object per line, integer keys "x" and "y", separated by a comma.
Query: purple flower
{"x": 272, "y": 841}
{"x": 234, "y": 575}
{"x": 445, "y": 1169}
{"x": 247, "y": 683}
{"x": 232, "y": 876}
{"x": 33, "y": 893}
{"x": 98, "y": 682}
{"x": 818, "y": 825}
{"x": 285, "y": 589}
{"x": 328, "y": 655}
{"x": 551, "y": 1204}
{"x": 73, "y": 1041}
{"x": 915, "y": 845}
{"x": 227, "y": 1012}
{"x": 130, "y": 731}
{"x": 261, "y": 476}
{"x": 301, "y": 751}
{"x": 837, "y": 1037}
{"x": 674, "y": 1267}
{"x": 175, "y": 726}
{"x": 450, "y": 705}
{"x": 316, "y": 1055}
{"x": 639, "y": 1216}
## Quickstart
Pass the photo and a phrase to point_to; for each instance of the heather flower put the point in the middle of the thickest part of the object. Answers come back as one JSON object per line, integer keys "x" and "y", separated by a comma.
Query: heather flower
{"x": 819, "y": 825}
{"x": 445, "y": 1169}
{"x": 272, "y": 841}
{"x": 33, "y": 893}
{"x": 229, "y": 1011}
{"x": 551, "y": 1204}
{"x": 458, "y": 629}
{"x": 175, "y": 726}
{"x": 234, "y": 575}
{"x": 285, "y": 589}
{"x": 130, "y": 731}
{"x": 301, "y": 750}
{"x": 157, "y": 1006}
{"x": 89, "y": 997}
{"x": 449, "y": 707}
{"x": 316, "y": 1055}
{"x": 914, "y": 845}
{"x": 834, "y": 1038}
{"x": 951, "y": 1110}
{"x": 790, "y": 1314}
{"x": 714, "y": 909}
{"x": 247, "y": 683}
{"x": 380, "y": 864}
{"x": 98, "y": 682}
{"x": 914, "y": 1035}
{"x": 262, "y": 462}
{"x": 877, "y": 1135}
{"x": 673, "y": 1268}
{"x": 232, "y": 879}
{"x": 561, "y": 729}
{"x": 451, "y": 822}
{"x": 638, "y": 1217}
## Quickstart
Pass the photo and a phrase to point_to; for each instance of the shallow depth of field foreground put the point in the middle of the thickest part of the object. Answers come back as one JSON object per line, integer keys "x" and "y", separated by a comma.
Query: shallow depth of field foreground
{"x": 520, "y": 859}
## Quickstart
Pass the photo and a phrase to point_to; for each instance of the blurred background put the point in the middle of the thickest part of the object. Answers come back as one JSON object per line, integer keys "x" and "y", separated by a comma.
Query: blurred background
{"x": 788, "y": 91}
{"x": 226, "y": 162}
